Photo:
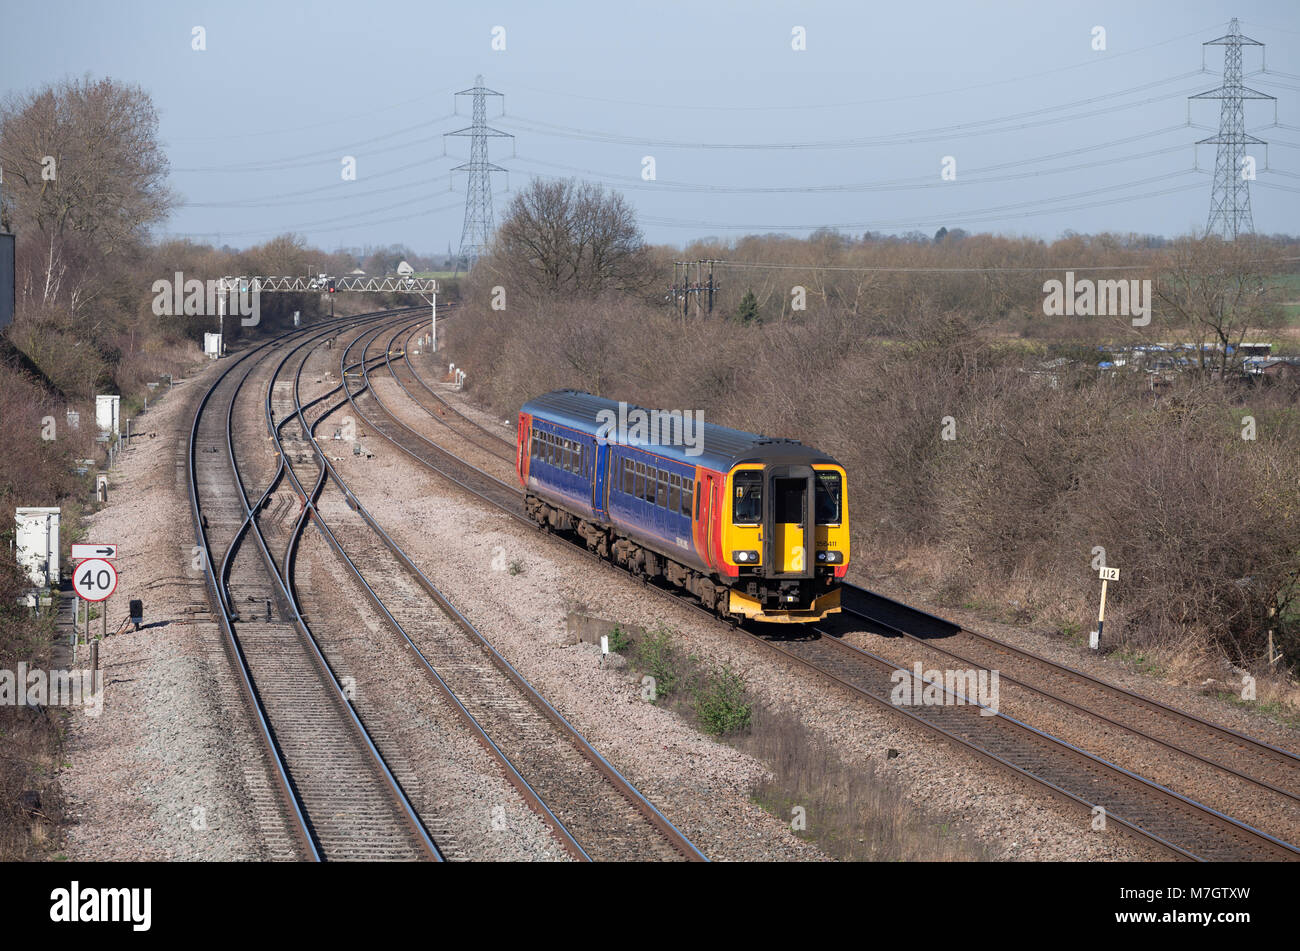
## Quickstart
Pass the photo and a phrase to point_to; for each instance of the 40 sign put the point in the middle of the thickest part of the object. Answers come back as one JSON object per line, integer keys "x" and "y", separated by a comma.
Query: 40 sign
{"x": 94, "y": 579}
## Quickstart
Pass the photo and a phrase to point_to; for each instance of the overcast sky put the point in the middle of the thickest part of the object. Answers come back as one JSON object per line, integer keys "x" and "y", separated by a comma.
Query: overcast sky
{"x": 1047, "y": 133}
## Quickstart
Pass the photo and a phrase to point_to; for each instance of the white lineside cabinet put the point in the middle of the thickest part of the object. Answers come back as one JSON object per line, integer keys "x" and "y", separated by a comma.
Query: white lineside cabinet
{"x": 107, "y": 408}
{"x": 37, "y": 543}
{"x": 212, "y": 345}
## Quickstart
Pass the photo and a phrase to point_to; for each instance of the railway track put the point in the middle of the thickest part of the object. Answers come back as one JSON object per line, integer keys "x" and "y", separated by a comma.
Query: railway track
{"x": 337, "y": 798}
{"x": 1270, "y": 774}
{"x": 592, "y": 809}
{"x": 1182, "y": 825}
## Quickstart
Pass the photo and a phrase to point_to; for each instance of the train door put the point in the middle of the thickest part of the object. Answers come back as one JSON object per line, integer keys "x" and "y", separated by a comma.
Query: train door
{"x": 523, "y": 446}
{"x": 706, "y": 497}
{"x": 788, "y": 512}
{"x": 601, "y": 472}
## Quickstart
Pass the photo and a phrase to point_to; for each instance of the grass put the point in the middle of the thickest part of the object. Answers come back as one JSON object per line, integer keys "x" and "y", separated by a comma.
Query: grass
{"x": 1274, "y": 709}
{"x": 848, "y": 811}
{"x": 1140, "y": 660}
{"x": 852, "y": 813}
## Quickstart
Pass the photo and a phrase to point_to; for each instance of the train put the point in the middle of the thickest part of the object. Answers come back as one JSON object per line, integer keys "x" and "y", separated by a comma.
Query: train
{"x": 754, "y": 527}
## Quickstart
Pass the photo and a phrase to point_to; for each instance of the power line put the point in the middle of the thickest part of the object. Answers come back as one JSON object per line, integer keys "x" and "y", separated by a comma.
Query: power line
{"x": 946, "y": 270}
{"x": 902, "y": 184}
{"x": 677, "y": 106}
{"x": 982, "y": 214}
{"x": 919, "y": 135}
{"x": 297, "y": 161}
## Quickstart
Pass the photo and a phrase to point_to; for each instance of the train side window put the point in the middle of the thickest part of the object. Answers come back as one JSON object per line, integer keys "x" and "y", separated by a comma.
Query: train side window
{"x": 661, "y": 498}
{"x": 550, "y": 449}
{"x": 674, "y": 493}
{"x": 627, "y": 476}
{"x": 688, "y": 489}
{"x": 566, "y": 456}
{"x": 640, "y": 480}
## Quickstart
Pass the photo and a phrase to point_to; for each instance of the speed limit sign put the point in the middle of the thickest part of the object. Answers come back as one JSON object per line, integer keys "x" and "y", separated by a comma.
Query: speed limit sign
{"x": 94, "y": 579}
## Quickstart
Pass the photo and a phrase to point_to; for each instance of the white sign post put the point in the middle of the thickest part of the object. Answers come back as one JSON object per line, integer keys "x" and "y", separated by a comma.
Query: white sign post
{"x": 84, "y": 550}
{"x": 1107, "y": 575}
{"x": 93, "y": 580}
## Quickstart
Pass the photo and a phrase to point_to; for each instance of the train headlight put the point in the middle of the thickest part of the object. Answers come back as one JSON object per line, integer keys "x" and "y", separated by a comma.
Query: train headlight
{"x": 831, "y": 557}
{"x": 745, "y": 557}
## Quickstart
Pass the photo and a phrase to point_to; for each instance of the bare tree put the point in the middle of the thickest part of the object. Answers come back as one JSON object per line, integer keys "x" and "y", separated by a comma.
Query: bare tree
{"x": 566, "y": 237}
{"x": 1219, "y": 290}
{"x": 84, "y": 175}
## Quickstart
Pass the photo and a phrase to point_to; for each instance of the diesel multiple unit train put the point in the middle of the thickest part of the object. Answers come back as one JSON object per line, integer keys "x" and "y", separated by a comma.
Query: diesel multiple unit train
{"x": 754, "y": 527}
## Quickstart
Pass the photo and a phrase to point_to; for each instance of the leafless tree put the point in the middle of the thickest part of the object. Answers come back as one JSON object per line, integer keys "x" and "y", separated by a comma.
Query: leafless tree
{"x": 84, "y": 175}
{"x": 1219, "y": 290}
{"x": 569, "y": 238}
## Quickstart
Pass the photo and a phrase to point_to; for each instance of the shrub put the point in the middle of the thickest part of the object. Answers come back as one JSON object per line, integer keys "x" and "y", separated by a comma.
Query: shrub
{"x": 723, "y": 704}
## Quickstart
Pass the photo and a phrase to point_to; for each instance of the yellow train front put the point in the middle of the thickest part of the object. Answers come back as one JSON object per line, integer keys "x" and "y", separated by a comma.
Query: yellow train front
{"x": 754, "y": 527}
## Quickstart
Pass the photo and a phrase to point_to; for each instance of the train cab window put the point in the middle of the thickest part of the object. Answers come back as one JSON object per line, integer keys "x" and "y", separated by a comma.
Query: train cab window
{"x": 674, "y": 493}
{"x": 828, "y": 498}
{"x": 747, "y": 503}
{"x": 790, "y": 499}
{"x": 661, "y": 496}
{"x": 688, "y": 489}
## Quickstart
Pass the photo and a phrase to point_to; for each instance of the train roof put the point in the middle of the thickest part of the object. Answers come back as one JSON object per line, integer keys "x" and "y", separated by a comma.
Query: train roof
{"x": 722, "y": 447}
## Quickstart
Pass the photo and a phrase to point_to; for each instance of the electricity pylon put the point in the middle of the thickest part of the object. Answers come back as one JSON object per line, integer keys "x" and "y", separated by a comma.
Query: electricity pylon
{"x": 477, "y": 231}
{"x": 1233, "y": 168}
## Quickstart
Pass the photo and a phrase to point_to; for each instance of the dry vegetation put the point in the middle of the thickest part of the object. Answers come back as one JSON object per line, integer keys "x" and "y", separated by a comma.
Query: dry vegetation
{"x": 1045, "y": 466}
{"x": 86, "y": 264}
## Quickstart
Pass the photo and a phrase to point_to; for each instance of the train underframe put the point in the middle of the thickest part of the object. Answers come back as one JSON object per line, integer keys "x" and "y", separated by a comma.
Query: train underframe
{"x": 780, "y": 601}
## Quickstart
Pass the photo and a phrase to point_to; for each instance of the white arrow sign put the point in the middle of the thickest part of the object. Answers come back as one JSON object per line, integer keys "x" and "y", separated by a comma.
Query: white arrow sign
{"x": 94, "y": 579}
{"x": 93, "y": 550}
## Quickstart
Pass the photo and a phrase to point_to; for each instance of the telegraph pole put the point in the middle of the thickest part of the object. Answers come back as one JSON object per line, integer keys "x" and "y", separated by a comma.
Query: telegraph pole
{"x": 1230, "y": 213}
{"x": 700, "y": 287}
